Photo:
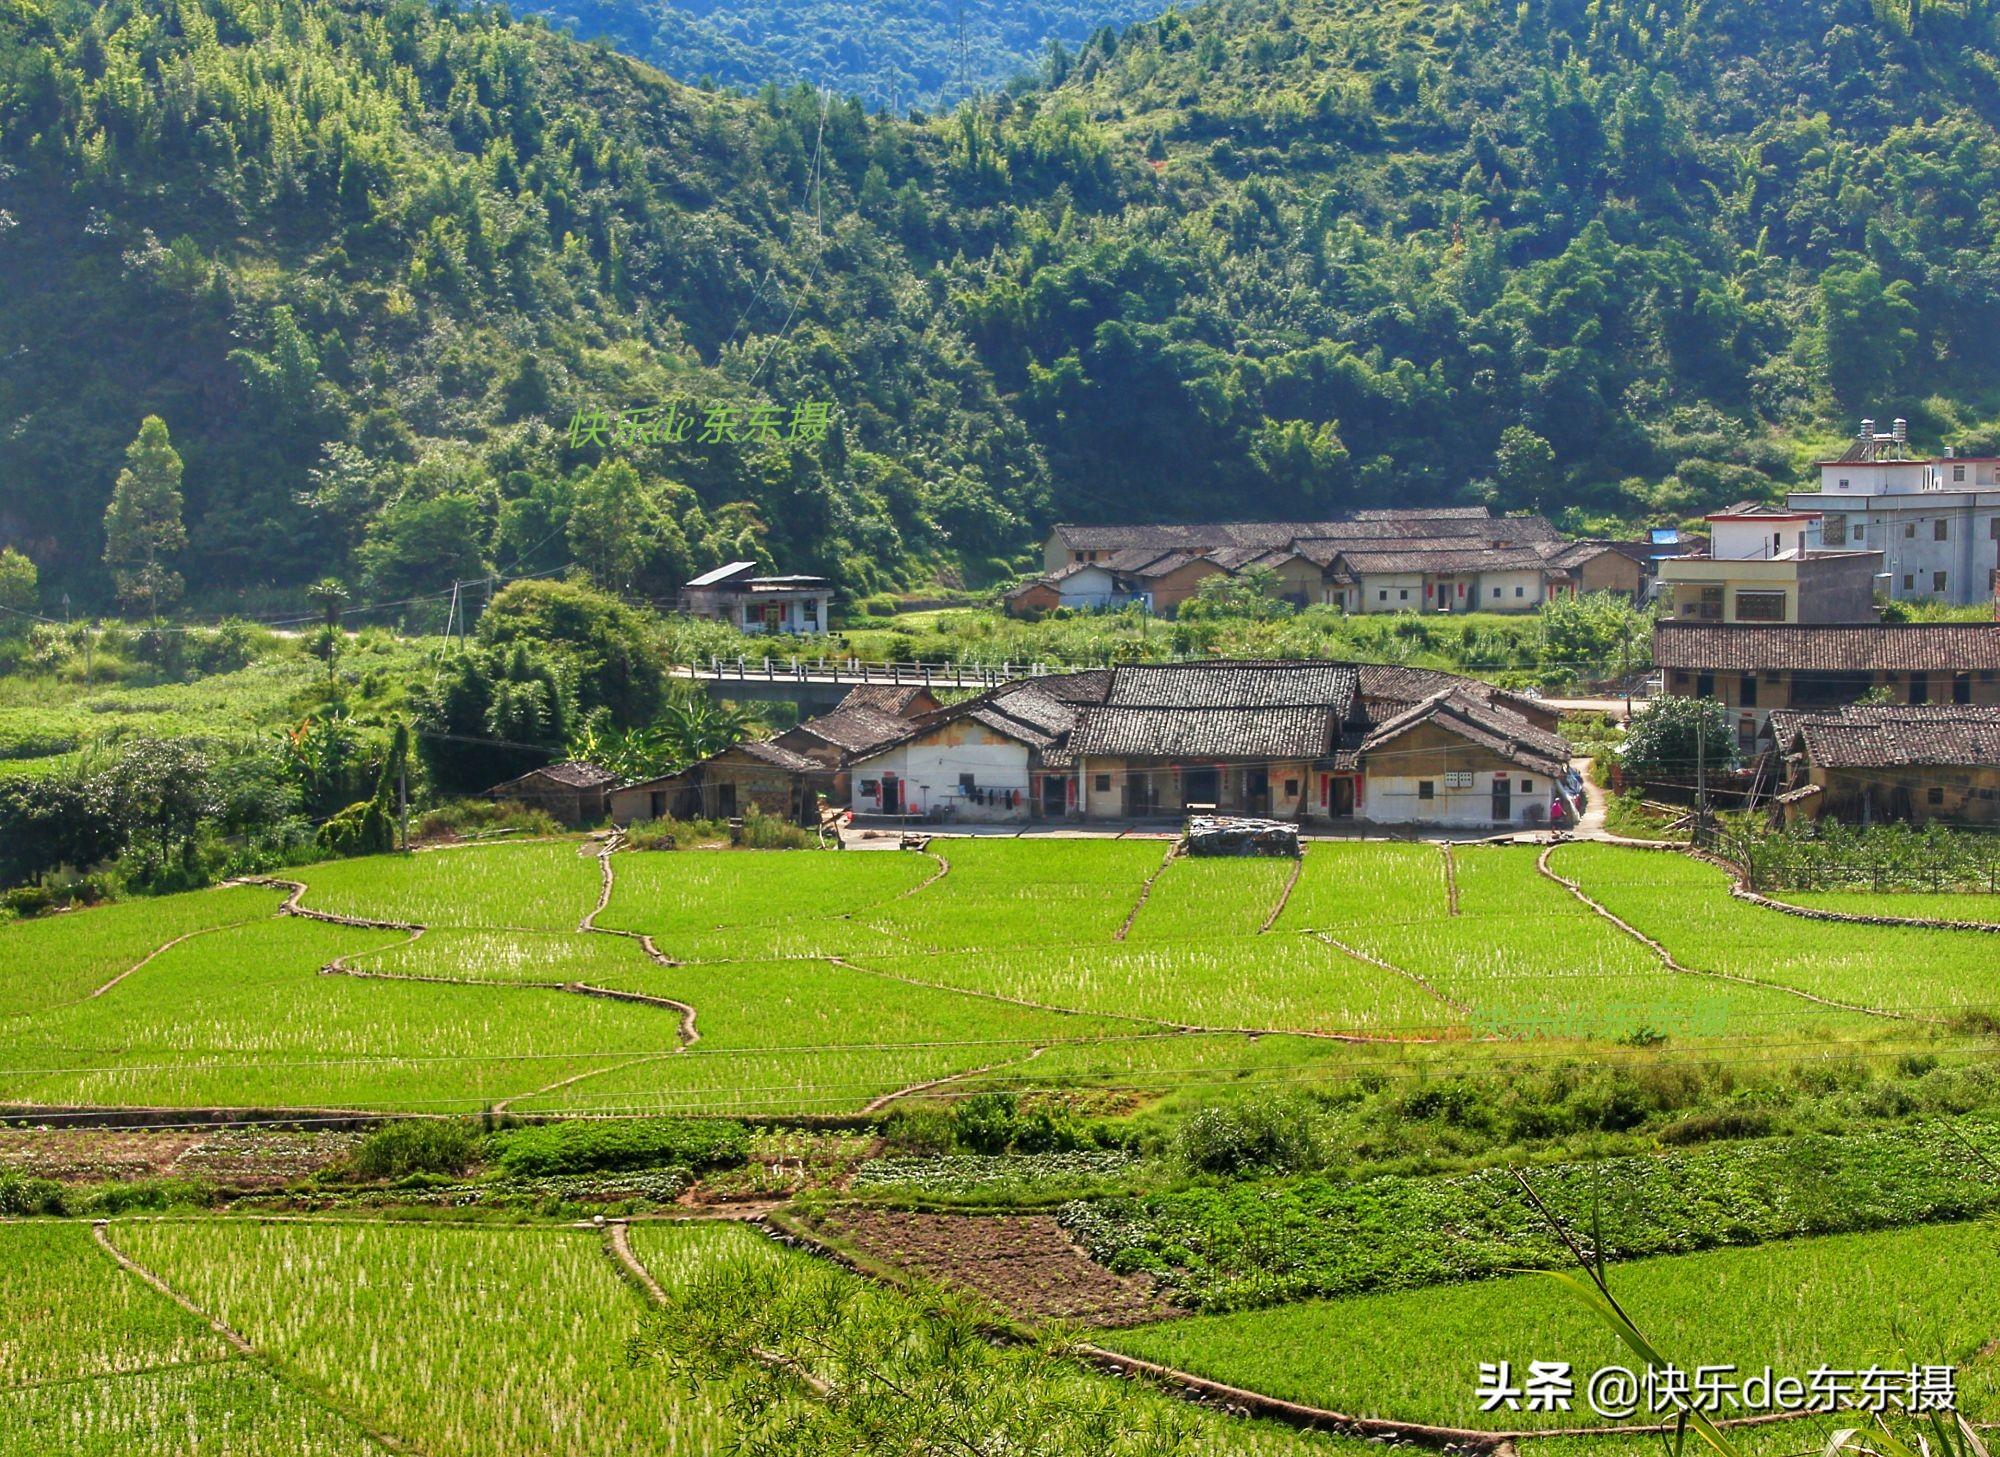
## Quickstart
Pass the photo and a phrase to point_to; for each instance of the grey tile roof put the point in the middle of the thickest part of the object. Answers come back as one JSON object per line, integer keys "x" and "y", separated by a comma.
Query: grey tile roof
{"x": 1220, "y": 710}
{"x": 858, "y": 730}
{"x": 1235, "y": 684}
{"x": 1290, "y": 732}
{"x": 775, "y": 754}
{"x": 1480, "y": 722}
{"x": 886, "y": 698}
{"x": 1937, "y": 735}
{"x": 570, "y": 774}
{"x": 1391, "y": 524}
{"x": 1443, "y": 557}
{"x": 1860, "y": 647}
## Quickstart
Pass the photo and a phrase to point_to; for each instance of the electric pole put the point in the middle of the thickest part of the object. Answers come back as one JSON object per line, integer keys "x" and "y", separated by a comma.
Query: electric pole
{"x": 1701, "y": 773}
{"x": 1626, "y": 668}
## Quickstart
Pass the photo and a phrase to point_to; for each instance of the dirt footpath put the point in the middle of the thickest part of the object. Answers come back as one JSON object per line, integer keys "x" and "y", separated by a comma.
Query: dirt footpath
{"x": 1024, "y": 1263}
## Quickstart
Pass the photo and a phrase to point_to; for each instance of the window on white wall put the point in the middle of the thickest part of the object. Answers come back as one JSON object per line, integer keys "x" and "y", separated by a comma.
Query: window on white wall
{"x": 1426, "y": 789}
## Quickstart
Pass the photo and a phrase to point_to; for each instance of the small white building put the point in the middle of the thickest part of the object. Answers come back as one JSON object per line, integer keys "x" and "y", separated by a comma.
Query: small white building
{"x": 999, "y": 757}
{"x": 1935, "y": 519}
{"x": 736, "y": 595}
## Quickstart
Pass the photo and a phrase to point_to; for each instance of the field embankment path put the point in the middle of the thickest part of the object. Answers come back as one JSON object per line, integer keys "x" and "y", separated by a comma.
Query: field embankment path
{"x": 1667, "y": 957}
{"x": 279, "y": 1370}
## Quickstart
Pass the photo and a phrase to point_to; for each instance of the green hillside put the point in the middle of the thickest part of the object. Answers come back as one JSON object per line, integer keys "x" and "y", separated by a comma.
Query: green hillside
{"x": 898, "y": 56}
{"x": 369, "y": 261}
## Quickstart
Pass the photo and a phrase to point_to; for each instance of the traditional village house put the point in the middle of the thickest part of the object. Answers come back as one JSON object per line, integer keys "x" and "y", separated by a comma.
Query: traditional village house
{"x": 1000, "y": 756}
{"x": 755, "y": 774}
{"x": 1459, "y": 759}
{"x": 571, "y": 793}
{"x": 735, "y": 594}
{"x": 1755, "y": 669}
{"x": 1297, "y": 740}
{"x": 786, "y": 775}
{"x": 1867, "y": 764}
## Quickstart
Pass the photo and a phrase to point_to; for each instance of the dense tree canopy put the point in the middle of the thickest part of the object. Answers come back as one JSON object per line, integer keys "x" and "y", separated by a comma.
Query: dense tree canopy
{"x": 395, "y": 278}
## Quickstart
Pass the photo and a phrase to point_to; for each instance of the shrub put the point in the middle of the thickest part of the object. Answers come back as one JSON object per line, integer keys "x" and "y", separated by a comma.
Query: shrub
{"x": 1274, "y": 1134}
{"x": 994, "y": 1123}
{"x": 760, "y": 832}
{"x": 415, "y": 1146}
{"x": 590, "y": 1147}
{"x": 919, "y": 1131}
{"x": 22, "y": 1195}
{"x": 464, "y": 818}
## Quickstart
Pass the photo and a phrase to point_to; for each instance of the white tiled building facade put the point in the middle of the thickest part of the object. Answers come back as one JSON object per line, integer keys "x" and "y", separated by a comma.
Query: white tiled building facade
{"x": 1935, "y": 519}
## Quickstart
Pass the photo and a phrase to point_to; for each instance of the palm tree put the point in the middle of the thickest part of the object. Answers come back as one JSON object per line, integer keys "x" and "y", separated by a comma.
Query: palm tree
{"x": 329, "y": 594}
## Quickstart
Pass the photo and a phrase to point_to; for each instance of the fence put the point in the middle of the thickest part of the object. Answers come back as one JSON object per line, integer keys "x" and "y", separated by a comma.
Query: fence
{"x": 856, "y": 670}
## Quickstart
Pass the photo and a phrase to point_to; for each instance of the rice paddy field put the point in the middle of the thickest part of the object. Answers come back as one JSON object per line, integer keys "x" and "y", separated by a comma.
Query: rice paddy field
{"x": 365, "y": 1338}
{"x": 1971, "y": 905}
{"x": 817, "y": 982}
{"x": 546, "y": 979}
{"x": 1896, "y": 1299}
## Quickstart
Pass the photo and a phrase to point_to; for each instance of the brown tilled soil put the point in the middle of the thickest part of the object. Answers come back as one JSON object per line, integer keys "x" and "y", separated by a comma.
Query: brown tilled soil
{"x": 1023, "y": 1263}
{"x": 240, "y": 1157}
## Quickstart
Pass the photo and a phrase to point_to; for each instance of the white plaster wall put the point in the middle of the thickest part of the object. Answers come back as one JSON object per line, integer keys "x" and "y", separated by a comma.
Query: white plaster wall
{"x": 930, "y": 770}
{"x": 1392, "y": 799}
{"x": 1395, "y": 584}
{"x": 1530, "y": 583}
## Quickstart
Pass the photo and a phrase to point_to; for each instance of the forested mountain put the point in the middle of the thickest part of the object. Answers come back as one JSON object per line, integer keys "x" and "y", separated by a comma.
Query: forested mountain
{"x": 897, "y": 55}
{"x": 367, "y": 262}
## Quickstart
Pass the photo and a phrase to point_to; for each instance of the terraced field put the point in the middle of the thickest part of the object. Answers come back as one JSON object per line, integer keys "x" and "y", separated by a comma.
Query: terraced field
{"x": 1522, "y": 955}
{"x": 356, "y": 1338}
{"x": 1851, "y": 1301}
{"x": 774, "y": 982}
{"x": 1978, "y": 906}
{"x": 96, "y": 1364}
{"x": 1684, "y": 905}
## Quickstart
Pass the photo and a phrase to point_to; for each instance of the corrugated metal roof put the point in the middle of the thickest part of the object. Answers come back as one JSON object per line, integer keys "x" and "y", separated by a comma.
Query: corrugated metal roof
{"x": 722, "y": 574}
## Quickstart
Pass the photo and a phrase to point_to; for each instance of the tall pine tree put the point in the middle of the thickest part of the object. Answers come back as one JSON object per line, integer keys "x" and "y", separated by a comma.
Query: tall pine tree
{"x": 142, "y": 525}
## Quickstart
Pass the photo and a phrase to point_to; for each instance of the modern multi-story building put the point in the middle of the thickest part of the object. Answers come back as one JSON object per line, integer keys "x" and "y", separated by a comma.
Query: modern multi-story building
{"x": 1935, "y": 519}
{"x": 1767, "y": 564}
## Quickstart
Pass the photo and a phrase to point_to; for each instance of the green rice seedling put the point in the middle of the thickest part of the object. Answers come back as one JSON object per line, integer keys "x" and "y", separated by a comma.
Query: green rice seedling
{"x": 73, "y": 1314}
{"x": 910, "y": 1365}
{"x": 544, "y": 885}
{"x": 1344, "y": 883}
{"x": 461, "y": 1342}
{"x": 245, "y": 1018}
{"x": 1525, "y": 957}
{"x": 231, "y": 1409}
{"x": 1212, "y": 896}
{"x": 506, "y": 956}
{"x": 1685, "y": 905}
{"x": 1848, "y": 1301}
{"x": 1971, "y": 905}
{"x": 65, "y": 957}
{"x": 813, "y": 1037}
{"x": 1005, "y": 892}
{"x": 1288, "y": 982}
{"x": 676, "y": 895}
